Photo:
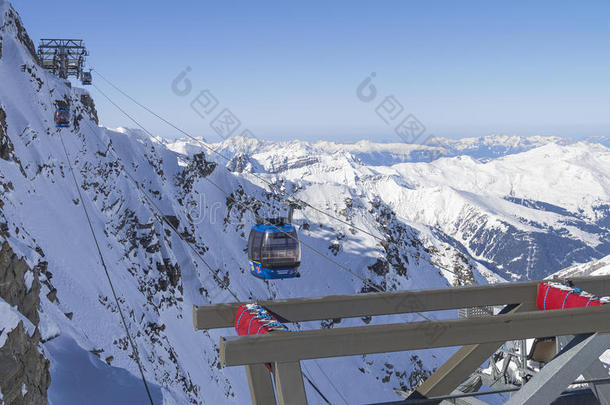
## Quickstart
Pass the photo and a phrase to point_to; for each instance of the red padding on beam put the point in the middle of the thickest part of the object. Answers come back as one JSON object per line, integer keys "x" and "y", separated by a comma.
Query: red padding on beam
{"x": 559, "y": 296}
{"x": 247, "y": 322}
{"x": 252, "y": 319}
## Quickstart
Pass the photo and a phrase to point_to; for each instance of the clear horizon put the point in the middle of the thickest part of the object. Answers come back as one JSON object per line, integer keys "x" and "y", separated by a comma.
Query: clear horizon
{"x": 288, "y": 71}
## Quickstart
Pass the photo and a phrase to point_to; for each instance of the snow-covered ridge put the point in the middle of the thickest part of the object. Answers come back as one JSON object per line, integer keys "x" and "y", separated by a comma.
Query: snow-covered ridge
{"x": 599, "y": 267}
{"x": 521, "y": 214}
{"x": 385, "y": 154}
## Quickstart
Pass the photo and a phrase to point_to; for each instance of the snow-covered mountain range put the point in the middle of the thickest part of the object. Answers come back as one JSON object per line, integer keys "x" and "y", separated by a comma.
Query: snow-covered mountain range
{"x": 451, "y": 213}
{"x": 522, "y": 215}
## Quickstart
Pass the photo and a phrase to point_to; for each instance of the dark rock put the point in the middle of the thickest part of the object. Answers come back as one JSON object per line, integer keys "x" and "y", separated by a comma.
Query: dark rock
{"x": 380, "y": 267}
{"x": 22, "y": 35}
{"x": 52, "y": 295}
{"x": 89, "y": 106}
{"x": 173, "y": 221}
{"x": 198, "y": 168}
{"x": 21, "y": 361}
{"x": 6, "y": 146}
{"x": 12, "y": 284}
{"x": 21, "y": 364}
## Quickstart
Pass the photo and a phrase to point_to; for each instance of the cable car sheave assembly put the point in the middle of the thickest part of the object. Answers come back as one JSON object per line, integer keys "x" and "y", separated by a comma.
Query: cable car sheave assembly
{"x": 552, "y": 295}
{"x": 64, "y": 58}
{"x": 480, "y": 337}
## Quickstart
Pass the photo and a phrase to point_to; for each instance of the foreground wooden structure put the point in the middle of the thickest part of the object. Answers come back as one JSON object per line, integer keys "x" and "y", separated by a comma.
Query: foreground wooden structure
{"x": 479, "y": 337}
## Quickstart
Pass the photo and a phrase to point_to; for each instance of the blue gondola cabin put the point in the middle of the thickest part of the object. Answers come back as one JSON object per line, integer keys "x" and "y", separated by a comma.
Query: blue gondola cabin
{"x": 274, "y": 251}
{"x": 62, "y": 118}
{"x": 86, "y": 78}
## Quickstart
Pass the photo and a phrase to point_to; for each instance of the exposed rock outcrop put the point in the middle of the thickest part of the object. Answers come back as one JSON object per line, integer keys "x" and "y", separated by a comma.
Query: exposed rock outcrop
{"x": 6, "y": 146}
{"x": 24, "y": 371}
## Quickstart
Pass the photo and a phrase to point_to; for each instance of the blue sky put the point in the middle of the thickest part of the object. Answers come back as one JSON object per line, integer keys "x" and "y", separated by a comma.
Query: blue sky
{"x": 290, "y": 70}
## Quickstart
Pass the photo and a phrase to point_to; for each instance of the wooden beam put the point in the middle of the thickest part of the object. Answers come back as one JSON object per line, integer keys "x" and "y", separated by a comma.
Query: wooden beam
{"x": 289, "y": 384}
{"x": 372, "y": 304}
{"x": 313, "y": 344}
{"x": 261, "y": 386}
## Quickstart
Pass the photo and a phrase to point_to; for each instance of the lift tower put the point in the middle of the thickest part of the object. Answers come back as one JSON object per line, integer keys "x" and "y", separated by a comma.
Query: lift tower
{"x": 64, "y": 57}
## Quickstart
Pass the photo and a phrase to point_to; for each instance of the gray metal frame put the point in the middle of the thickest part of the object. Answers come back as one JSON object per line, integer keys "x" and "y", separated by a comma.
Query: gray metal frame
{"x": 571, "y": 362}
{"x": 63, "y": 57}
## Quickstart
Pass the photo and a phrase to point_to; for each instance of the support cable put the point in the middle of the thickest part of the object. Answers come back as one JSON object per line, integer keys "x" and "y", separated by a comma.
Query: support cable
{"x": 315, "y": 387}
{"x": 250, "y": 208}
{"x": 161, "y": 218}
{"x": 365, "y": 281}
{"x": 331, "y": 382}
{"x": 199, "y": 141}
{"x": 269, "y": 183}
{"x": 114, "y": 294}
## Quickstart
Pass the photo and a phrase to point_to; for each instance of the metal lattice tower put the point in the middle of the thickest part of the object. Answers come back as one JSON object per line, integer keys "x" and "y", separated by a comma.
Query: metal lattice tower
{"x": 64, "y": 57}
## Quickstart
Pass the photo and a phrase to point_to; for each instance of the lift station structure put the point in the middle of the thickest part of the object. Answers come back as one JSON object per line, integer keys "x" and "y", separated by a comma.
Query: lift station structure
{"x": 63, "y": 57}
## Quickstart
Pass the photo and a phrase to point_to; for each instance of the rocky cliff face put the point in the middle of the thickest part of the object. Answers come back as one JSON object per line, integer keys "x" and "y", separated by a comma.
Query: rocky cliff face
{"x": 24, "y": 370}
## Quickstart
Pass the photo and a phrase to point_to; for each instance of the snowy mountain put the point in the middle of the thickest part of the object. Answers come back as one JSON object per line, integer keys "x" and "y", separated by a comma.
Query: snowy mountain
{"x": 386, "y": 154}
{"x": 522, "y": 215}
{"x": 599, "y": 267}
{"x": 525, "y": 209}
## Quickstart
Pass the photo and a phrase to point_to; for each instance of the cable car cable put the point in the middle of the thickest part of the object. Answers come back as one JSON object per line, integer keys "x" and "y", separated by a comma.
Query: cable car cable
{"x": 347, "y": 269}
{"x": 161, "y": 218}
{"x": 126, "y": 114}
{"x": 241, "y": 204}
{"x": 364, "y": 280}
{"x": 103, "y": 263}
{"x": 331, "y": 382}
{"x": 270, "y": 184}
{"x": 316, "y": 388}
